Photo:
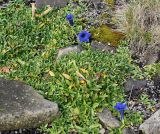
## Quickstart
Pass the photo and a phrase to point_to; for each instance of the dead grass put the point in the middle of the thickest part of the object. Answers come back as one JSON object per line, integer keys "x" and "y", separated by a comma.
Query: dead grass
{"x": 140, "y": 20}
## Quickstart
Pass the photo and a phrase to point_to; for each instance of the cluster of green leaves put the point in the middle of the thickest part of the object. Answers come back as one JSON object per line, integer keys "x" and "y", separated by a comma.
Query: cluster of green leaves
{"x": 152, "y": 69}
{"x": 144, "y": 99}
{"x": 83, "y": 84}
{"x": 22, "y": 37}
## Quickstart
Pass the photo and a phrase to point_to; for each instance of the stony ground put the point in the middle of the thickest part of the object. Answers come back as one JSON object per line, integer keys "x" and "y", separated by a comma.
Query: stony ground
{"x": 24, "y": 131}
{"x": 152, "y": 89}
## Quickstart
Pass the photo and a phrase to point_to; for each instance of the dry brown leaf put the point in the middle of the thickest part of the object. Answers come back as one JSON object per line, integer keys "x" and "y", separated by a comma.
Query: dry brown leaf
{"x": 72, "y": 85}
{"x": 51, "y": 73}
{"x": 84, "y": 70}
{"x": 82, "y": 81}
{"x": 80, "y": 75}
{"x": 67, "y": 76}
{"x": 5, "y": 70}
{"x": 98, "y": 75}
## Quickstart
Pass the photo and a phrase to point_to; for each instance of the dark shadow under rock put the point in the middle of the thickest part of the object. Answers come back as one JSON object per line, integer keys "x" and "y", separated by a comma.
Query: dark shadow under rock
{"x": 24, "y": 131}
{"x": 156, "y": 80}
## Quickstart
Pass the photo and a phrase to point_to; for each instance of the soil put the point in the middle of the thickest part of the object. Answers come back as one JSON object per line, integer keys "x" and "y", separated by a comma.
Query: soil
{"x": 152, "y": 90}
{"x": 24, "y": 131}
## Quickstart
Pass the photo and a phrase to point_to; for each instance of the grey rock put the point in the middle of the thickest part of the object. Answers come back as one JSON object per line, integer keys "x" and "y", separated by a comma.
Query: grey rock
{"x": 128, "y": 131}
{"x": 156, "y": 80}
{"x": 70, "y": 49}
{"x": 4, "y": 5}
{"x": 22, "y": 107}
{"x": 102, "y": 131}
{"x": 134, "y": 84}
{"x": 150, "y": 56}
{"x": 52, "y": 3}
{"x": 107, "y": 120}
{"x": 95, "y": 45}
{"x": 151, "y": 125}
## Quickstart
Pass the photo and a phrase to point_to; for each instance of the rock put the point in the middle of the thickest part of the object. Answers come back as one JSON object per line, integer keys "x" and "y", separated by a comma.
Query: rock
{"x": 156, "y": 80}
{"x": 134, "y": 84}
{"x": 107, "y": 120}
{"x": 67, "y": 50}
{"x": 150, "y": 56}
{"x": 52, "y": 3}
{"x": 22, "y": 107}
{"x": 102, "y": 131}
{"x": 95, "y": 45}
{"x": 151, "y": 125}
{"x": 3, "y": 6}
{"x": 96, "y": 1}
{"x": 128, "y": 131}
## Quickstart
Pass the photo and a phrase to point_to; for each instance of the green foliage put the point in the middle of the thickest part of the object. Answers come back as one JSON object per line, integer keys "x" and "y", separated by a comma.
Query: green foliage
{"x": 82, "y": 96}
{"x": 110, "y": 2}
{"x": 152, "y": 69}
{"x": 82, "y": 84}
{"x": 144, "y": 99}
{"x": 22, "y": 37}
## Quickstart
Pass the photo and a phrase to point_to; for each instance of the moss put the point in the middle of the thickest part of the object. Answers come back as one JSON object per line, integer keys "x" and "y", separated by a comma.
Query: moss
{"x": 104, "y": 16}
{"x": 107, "y": 35}
{"x": 110, "y": 2}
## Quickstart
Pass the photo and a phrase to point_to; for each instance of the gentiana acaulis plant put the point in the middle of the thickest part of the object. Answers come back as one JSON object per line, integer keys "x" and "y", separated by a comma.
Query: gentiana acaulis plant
{"x": 121, "y": 107}
{"x": 84, "y": 36}
{"x": 70, "y": 17}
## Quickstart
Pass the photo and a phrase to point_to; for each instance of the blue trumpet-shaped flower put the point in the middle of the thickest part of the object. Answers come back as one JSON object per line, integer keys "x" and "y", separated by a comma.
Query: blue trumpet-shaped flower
{"x": 121, "y": 107}
{"x": 69, "y": 17}
{"x": 84, "y": 36}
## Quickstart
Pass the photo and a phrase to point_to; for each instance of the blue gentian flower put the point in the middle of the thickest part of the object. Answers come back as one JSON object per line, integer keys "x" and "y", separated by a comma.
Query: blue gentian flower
{"x": 121, "y": 107}
{"x": 69, "y": 17}
{"x": 84, "y": 36}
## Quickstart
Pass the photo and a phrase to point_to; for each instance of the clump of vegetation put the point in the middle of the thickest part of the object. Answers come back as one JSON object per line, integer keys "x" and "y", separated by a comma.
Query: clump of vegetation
{"x": 82, "y": 84}
{"x": 110, "y": 2}
{"x": 24, "y": 38}
{"x": 139, "y": 19}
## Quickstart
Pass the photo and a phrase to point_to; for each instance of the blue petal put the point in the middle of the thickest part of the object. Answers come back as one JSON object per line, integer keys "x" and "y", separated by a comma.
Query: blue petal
{"x": 84, "y": 36}
{"x": 121, "y": 106}
{"x": 69, "y": 17}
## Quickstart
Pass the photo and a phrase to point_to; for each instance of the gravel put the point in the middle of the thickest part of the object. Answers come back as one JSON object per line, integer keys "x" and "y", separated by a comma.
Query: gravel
{"x": 24, "y": 131}
{"x": 135, "y": 104}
